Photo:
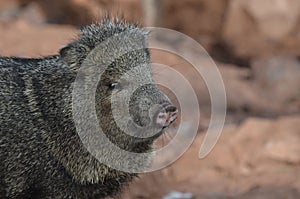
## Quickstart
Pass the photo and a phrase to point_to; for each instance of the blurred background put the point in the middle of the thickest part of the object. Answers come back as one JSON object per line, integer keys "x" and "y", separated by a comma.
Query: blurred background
{"x": 256, "y": 45}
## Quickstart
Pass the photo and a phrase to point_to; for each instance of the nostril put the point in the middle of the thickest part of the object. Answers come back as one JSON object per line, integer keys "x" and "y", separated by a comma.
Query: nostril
{"x": 170, "y": 108}
{"x": 167, "y": 115}
{"x": 172, "y": 115}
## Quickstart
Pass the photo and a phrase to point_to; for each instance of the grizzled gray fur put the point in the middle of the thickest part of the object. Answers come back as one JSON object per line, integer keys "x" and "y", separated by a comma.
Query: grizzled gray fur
{"x": 41, "y": 153}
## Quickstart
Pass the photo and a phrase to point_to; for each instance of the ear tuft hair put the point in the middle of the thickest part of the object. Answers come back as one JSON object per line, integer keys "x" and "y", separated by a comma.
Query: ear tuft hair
{"x": 74, "y": 53}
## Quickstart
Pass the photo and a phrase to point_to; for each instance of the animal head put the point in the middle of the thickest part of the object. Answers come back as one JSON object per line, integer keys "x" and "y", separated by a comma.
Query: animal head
{"x": 131, "y": 110}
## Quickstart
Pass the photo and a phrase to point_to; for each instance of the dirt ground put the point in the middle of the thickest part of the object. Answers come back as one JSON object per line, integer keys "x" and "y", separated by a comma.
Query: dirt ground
{"x": 258, "y": 154}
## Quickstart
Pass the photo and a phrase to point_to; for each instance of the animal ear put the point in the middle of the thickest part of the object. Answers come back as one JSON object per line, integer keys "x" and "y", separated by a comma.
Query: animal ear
{"x": 68, "y": 54}
{"x": 74, "y": 53}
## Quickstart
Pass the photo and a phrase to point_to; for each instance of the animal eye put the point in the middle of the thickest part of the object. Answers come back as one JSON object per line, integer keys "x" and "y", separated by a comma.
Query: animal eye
{"x": 113, "y": 86}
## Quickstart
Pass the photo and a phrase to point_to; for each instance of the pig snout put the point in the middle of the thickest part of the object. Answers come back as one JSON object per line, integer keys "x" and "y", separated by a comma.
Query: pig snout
{"x": 167, "y": 115}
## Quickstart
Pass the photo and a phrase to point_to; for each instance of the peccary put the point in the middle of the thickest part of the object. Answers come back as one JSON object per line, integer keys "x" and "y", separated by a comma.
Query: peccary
{"x": 42, "y": 155}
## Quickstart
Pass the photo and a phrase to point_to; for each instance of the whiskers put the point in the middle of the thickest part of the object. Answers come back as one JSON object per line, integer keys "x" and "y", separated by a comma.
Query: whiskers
{"x": 166, "y": 137}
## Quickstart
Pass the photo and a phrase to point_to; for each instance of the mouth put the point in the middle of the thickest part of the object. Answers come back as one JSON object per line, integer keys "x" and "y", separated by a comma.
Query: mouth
{"x": 153, "y": 136}
{"x": 154, "y": 130}
{"x": 171, "y": 119}
{"x": 167, "y": 116}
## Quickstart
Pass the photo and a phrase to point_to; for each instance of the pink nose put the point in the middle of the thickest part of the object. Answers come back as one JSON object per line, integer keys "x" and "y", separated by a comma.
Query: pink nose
{"x": 167, "y": 116}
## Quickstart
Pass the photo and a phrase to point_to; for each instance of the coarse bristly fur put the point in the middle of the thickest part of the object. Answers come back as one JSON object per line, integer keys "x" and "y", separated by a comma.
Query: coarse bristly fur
{"x": 41, "y": 153}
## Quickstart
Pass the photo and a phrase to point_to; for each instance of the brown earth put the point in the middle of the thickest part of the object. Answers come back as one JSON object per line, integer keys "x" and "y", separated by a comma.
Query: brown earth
{"x": 231, "y": 30}
{"x": 257, "y": 159}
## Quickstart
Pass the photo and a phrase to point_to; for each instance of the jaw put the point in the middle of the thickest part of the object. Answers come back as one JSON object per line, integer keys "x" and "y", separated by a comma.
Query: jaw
{"x": 149, "y": 139}
{"x": 139, "y": 140}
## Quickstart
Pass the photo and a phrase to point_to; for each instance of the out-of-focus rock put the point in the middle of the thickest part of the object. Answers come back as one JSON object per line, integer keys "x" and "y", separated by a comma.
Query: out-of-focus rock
{"x": 270, "y": 192}
{"x": 9, "y": 10}
{"x": 81, "y": 12}
{"x": 243, "y": 96}
{"x": 232, "y": 30}
{"x": 32, "y": 13}
{"x": 71, "y": 11}
{"x": 278, "y": 78}
{"x": 241, "y": 159}
{"x": 243, "y": 154}
{"x": 26, "y": 40}
{"x": 258, "y": 143}
{"x": 245, "y": 89}
{"x": 6, "y": 4}
{"x": 284, "y": 143}
{"x": 270, "y": 88}
{"x": 202, "y": 18}
{"x": 263, "y": 27}
{"x": 152, "y": 12}
{"x": 244, "y": 92}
